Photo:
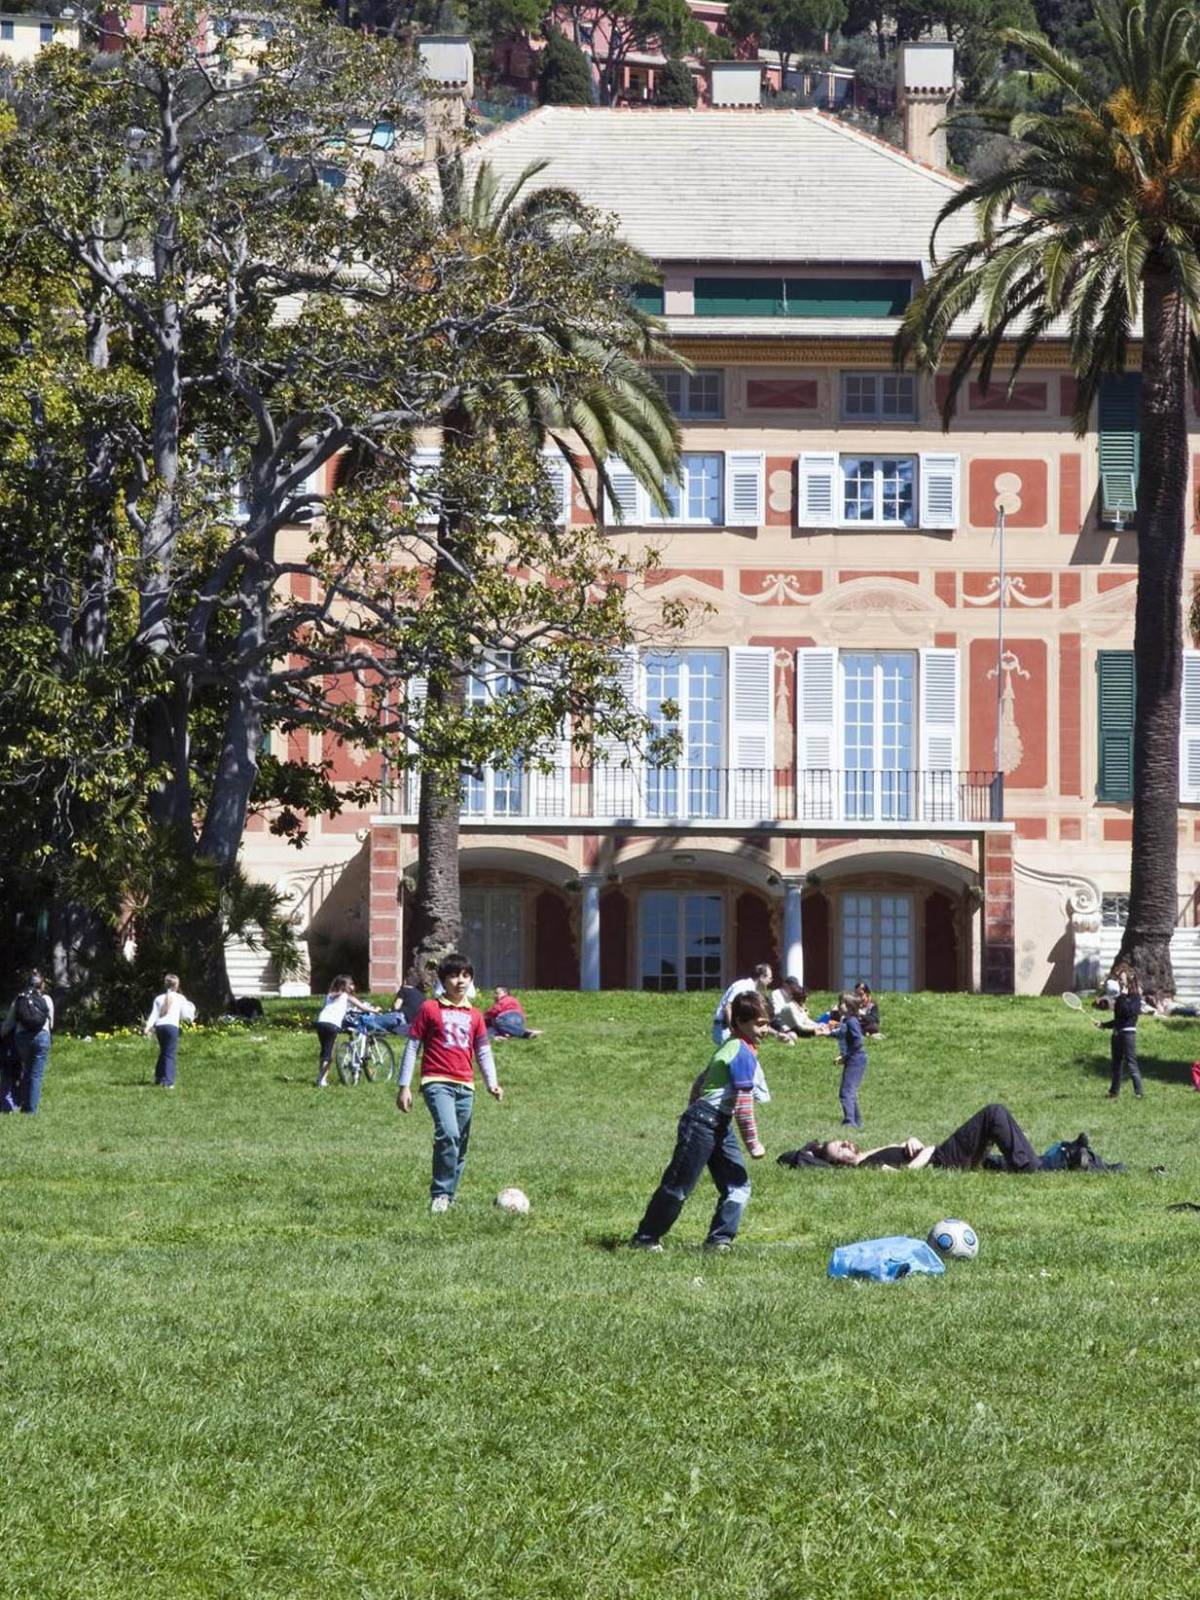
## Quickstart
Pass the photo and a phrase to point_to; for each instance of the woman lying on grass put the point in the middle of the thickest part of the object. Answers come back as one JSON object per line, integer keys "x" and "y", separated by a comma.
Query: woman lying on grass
{"x": 964, "y": 1149}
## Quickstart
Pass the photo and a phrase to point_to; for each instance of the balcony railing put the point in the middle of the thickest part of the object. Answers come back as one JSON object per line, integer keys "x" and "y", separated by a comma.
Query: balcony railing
{"x": 904, "y": 797}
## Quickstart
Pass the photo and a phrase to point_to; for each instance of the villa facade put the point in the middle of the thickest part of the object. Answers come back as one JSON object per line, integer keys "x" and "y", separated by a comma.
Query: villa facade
{"x": 906, "y": 735}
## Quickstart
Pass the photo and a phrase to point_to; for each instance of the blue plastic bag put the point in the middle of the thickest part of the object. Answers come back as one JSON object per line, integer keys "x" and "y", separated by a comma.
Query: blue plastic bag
{"x": 884, "y": 1260}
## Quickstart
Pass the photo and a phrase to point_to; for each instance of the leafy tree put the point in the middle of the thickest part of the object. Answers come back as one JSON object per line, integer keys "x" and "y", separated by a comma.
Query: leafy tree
{"x": 1094, "y": 220}
{"x": 675, "y": 85}
{"x": 610, "y": 32}
{"x": 564, "y": 77}
{"x": 575, "y": 371}
{"x": 785, "y": 26}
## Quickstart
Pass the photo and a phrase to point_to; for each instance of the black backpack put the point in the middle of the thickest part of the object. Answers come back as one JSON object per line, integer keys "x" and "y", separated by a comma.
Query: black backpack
{"x": 31, "y": 1011}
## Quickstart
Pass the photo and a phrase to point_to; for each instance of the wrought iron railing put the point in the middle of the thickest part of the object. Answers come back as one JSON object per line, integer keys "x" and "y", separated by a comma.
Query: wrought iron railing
{"x": 904, "y": 797}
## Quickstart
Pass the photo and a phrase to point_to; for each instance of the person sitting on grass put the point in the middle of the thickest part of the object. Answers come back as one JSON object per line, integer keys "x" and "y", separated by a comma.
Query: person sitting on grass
{"x": 966, "y": 1148}
{"x": 789, "y": 1011}
{"x": 505, "y": 1017}
{"x": 868, "y": 1013}
{"x": 721, "y": 1096}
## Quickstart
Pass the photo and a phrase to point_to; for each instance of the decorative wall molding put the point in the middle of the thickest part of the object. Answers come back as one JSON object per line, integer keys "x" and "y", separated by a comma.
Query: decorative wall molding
{"x": 1014, "y": 593}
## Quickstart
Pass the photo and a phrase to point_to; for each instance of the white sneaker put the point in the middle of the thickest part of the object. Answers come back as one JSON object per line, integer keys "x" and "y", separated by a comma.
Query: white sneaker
{"x": 439, "y": 1204}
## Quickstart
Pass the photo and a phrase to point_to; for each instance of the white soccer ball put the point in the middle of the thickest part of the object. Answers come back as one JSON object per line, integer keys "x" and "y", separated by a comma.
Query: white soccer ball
{"x": 954, "y": 1239}
{"x": 514, "y": 1201}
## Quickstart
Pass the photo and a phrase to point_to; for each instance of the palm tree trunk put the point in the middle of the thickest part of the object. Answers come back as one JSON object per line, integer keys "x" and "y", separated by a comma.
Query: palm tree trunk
{"x": 436, "y": 903}
{"x": 1158, "y": 634}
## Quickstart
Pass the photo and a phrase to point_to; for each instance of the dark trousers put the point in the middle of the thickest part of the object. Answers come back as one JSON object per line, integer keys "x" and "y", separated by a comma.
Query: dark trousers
{"x": 854, "y": 1070}
{"x": 705, "y": 1139}
{"x": 327, "y": 1034}
{"x": 994, "y": 1125}
{"x": 1124, "y": 1059}
{"x": 168, "y": 1050}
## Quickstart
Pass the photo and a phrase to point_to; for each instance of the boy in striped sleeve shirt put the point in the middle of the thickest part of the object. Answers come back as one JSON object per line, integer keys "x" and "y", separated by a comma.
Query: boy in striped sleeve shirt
{"x": 723, "y": 1094}
{"x": 448, "y": 1032}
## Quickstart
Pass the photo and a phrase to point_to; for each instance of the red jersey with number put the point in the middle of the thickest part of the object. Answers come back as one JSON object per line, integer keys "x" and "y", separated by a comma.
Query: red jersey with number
{"x": 450, "y": 1036}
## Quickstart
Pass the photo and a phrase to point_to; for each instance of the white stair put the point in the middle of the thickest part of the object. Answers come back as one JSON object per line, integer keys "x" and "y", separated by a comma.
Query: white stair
{"x": 251, "y": 972}
{"x": 1185, "y": 958}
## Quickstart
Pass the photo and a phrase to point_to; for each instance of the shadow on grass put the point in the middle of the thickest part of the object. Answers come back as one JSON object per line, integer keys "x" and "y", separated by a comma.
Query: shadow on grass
{"x": 1151, "y": 1068}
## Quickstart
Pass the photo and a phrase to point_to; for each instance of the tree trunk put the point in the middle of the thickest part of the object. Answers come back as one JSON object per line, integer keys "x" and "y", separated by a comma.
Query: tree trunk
{"x": 1158, "y": 634}
{"x": 436, "y": 903}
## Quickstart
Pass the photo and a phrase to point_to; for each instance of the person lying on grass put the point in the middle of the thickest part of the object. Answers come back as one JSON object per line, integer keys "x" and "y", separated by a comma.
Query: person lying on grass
{"x": 966, "y": 1148}
{"x": 722, "y": 1095}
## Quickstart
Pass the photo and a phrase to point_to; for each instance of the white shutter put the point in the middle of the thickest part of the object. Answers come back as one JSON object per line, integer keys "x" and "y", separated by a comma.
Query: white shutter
{"x": 819, "y": 488}
{"x": 624, "y": 504}
{"x": 1189, "y": 729}
{"x": 616, "y": 768}
{"x": 938, "y": 780}
{"x": 817, "y": 790}
{"x": 559, "y": 473}
{"x": 939, "y": 491}
{"x": 426, "y": 464}
{"x": 751, "y": 744}
{"x": 551, "y": 791}
{"x": 745, "y": 472}
{"x": 415, "y": 696}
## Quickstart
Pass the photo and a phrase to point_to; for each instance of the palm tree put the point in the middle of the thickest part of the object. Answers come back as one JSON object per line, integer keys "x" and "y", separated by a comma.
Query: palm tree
{"x": 1095, "y": 218}
{"x": 609, "y": 402}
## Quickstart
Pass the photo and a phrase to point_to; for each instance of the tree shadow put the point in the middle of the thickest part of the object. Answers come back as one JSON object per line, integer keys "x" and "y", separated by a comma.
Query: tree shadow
{"x": 1152, "y": 1068}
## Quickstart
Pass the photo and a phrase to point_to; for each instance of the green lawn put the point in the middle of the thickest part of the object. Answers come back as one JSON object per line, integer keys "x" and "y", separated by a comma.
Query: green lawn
{"x": 240, "y": 1359}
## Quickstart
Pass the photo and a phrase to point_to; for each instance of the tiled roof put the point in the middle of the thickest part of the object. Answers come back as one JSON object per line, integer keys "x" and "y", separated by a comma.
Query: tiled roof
{"x": 748, "y": 186}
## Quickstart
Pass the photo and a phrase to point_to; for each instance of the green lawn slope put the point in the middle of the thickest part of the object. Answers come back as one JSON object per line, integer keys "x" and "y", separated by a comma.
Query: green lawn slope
{"x": 239, "y": 1359}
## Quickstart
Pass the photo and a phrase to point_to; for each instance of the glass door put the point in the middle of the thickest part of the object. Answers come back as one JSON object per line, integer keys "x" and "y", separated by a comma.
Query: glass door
{"x": 492, "y": 938}
{"x": 682, "y": 941}
{"x": 879, "y": 740}
{"x": 877, "y": 941}
{"x": 693, "y": 685}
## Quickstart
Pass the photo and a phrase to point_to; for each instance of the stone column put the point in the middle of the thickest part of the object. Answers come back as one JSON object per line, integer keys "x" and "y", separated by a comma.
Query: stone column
{"x": 792, "y": 953}
{"x": 589, "y": 931}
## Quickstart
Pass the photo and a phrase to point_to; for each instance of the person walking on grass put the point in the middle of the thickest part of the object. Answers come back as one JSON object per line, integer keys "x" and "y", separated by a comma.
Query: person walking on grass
{"x": 852, "y": 1055}
{"x": 723, "y": 1095}
{"x": 449, "y": 1033}
{"x": 29, "y": 1023}
{"x": 340, "y": 1002}
{"x": 171, "y": 1009}
{"x": 1126, "y": 1009}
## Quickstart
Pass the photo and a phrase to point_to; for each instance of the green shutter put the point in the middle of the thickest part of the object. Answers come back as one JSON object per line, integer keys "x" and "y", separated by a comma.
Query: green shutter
{"x": 739, "y": 297}
{"x": 648, "y": 297}
{"x": 801, "y": 297}
{"x": 1117, "y": 698}
{"x": 847, "y": 297}
{"x": 1119, "y": 423}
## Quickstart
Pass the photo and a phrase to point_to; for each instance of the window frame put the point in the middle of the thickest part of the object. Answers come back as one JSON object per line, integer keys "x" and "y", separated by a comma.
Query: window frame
{"x": 878, "y": 380}
{"x": 914, "y": 465}
{"x": 686, "y": 410}
{"x": 655, "y": 518}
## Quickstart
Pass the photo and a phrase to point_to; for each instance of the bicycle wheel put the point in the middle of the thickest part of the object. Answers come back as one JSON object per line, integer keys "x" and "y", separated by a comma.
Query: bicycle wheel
{"x": 346, "y": 1058}
{"x": 379, "y": 1064}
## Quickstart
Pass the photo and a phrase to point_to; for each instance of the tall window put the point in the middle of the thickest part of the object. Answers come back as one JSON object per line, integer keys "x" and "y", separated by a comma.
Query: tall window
{"x": 694, "y": 683}
{"x": 693, "y": 396}
{"x": 493, "y": 933}
{"x": 499, "y": 791}
{"x": 877, "y": 941}
{"x": 879, "y": 491}
{"x": 880, "y": 723}
{"x": 682, "y": 941}
{"x": 697, "y": 496}
{"x": 879, "y": 397}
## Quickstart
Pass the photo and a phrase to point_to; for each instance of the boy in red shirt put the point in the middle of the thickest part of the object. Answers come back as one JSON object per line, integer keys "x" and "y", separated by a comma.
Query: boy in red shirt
{"x": 450, "y": 1032}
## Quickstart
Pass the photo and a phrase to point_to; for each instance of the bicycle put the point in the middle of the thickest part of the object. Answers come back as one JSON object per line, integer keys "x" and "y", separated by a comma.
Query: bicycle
{"x": 366, "y": 1052}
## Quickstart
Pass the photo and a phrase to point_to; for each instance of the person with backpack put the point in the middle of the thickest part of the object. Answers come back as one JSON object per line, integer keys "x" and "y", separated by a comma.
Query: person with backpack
{"x": 29, "y": 1021}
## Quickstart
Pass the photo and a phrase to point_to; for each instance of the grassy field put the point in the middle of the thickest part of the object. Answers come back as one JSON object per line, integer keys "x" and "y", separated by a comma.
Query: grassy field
{"x": 240, "y": 1359}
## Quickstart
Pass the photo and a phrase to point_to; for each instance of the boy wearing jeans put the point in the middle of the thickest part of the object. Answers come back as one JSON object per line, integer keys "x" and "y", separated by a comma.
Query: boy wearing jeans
{"x": 721, "y": 1096}
{"x": 448, "y": 1031}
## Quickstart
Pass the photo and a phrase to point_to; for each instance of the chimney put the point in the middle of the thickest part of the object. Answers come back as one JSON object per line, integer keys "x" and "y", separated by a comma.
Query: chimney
{"x": 735, "y": 83}
{"x": 448, "y": 68}
{"x": 924, "y": 89}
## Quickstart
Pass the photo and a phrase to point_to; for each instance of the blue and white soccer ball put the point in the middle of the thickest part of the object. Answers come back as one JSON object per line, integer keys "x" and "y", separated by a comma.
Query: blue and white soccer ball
{"x": 954, "y": 1239}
